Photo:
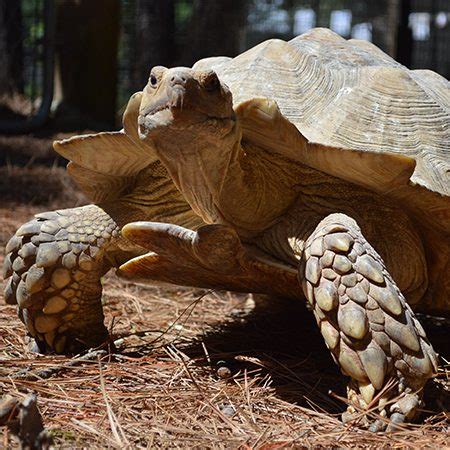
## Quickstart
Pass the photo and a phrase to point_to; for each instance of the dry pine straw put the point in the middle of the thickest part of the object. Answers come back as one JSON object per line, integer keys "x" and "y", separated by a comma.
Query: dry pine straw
{"x": 163, "y": 387}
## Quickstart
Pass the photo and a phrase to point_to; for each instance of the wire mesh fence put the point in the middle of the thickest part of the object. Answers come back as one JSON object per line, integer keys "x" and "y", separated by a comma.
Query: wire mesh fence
{"x": 366, "y": 20}
{"x": 177, "y": 32}
{"x": 429, "y": 22}
{"x": 426, "y": 39}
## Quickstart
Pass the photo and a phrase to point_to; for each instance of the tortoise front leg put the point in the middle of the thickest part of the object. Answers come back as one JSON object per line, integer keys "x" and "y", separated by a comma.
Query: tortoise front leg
{"x": 370, "y": 330}
{"x": 54, "y": 265}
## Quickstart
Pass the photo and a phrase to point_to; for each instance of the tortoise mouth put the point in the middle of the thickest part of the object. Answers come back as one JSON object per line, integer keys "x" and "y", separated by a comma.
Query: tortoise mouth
{"x": 176, "y": 101}
{"x": 178, "y": 114}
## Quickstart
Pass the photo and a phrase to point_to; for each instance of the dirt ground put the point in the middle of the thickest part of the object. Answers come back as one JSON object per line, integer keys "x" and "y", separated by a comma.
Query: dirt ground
{"x": 193, "y": 368}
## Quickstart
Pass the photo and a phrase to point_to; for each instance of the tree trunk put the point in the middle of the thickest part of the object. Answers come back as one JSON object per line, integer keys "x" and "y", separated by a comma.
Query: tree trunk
{"x": 404, "y": 34}
{"x": 154, "y": 38}
{"x": 215, "y": 30}
{"x": 87, "y": 39}
{"x": 11, "y": 52}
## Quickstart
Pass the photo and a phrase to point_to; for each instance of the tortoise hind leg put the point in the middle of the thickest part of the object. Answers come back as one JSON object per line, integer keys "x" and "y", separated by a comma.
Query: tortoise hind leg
{"x": 54, "y": 264}
{"x": 370, "y": 330}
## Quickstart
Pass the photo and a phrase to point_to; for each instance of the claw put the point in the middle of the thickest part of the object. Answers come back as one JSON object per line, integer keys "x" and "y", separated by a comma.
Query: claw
{"x": 396, "y": 419}
{"x": 407, "y": 406}
{"x": 377, "y": 426}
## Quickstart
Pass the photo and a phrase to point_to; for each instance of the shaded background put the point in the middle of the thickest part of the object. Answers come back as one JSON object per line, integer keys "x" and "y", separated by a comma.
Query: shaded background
{"x": 76, "y": 62}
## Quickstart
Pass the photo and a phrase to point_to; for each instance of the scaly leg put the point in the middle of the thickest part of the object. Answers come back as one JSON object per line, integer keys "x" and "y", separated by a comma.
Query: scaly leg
{"x": 54, "y": 264}
{"x": 370, "y": 330}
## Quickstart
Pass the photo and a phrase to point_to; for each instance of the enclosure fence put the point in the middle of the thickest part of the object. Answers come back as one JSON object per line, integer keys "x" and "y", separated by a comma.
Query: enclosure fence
{"x": 415, "y": 32}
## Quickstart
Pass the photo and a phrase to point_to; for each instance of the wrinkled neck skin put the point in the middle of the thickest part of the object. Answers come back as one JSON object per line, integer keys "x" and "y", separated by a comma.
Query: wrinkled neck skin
{"x": 225, "y": 179}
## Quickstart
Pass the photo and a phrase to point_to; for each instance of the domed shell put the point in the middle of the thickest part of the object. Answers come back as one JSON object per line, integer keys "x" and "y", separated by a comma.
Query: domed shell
{"x": 349, "y": 94}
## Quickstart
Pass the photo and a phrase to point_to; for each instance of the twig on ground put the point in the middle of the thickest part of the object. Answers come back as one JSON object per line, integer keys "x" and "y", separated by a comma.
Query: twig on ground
{"x": 27, "y": 374}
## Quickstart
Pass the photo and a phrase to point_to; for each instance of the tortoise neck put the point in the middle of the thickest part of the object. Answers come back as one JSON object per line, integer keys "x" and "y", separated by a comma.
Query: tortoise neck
{"x": 200, "y": 165}
{"x": 225, "y": 179}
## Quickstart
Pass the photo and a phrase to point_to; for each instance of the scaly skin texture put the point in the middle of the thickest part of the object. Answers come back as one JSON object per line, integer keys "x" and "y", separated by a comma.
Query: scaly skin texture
{"x": 383, "y": 224}
{"x": 361, "y": 311}
{"x": 55, "y": 263}
{"x": 322, "y": 224}
{"x": 369, "y": 328}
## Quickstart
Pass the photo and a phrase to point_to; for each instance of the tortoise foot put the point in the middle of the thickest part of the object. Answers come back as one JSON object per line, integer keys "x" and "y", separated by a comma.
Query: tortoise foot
{"x": 371, "y": 331}
{"x": 383, "y": 411}
{"x": 53, "y": 268}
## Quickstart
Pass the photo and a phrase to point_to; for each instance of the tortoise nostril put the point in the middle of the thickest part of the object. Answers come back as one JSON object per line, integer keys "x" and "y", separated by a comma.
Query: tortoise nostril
{"x": 178, "y": 79}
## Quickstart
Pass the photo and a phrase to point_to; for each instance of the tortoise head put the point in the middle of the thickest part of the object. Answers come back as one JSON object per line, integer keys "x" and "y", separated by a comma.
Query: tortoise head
{"x": 180, "y": 99}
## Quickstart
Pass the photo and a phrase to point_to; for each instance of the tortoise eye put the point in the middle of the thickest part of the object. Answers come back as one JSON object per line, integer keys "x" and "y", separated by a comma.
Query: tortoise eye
{"x": 153, "y": 80}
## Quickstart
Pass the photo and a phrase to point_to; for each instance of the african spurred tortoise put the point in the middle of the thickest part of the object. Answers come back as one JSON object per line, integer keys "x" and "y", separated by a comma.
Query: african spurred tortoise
{"x": 314, "y": 168}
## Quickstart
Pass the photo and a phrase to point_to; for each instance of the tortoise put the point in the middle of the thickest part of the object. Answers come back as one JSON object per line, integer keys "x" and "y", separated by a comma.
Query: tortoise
{"x": 312, "y": 169}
